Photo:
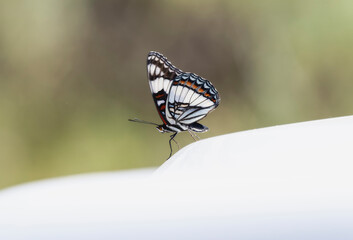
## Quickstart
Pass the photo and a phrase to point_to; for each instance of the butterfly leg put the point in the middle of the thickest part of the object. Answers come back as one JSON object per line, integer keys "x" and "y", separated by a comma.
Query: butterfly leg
{"x": 198, "y": 138}
{"x": 193, "y": 135}
{"x": 170, "y": 144}
{"x": 176, "y": 143}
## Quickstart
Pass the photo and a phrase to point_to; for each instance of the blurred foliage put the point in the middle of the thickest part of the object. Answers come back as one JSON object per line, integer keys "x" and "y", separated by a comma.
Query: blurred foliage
{"x": 73, "y": 72}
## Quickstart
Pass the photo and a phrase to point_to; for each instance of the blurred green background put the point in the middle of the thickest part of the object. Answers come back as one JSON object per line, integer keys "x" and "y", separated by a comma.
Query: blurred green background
{"x": 73, "y": 72}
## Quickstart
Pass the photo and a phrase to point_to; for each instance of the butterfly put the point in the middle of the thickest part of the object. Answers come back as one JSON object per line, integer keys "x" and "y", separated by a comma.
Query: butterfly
{"x": 181, "y": 98}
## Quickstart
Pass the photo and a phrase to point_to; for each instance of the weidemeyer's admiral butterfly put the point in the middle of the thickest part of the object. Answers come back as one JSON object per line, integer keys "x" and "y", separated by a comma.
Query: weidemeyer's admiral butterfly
{"x": 181, "y": 98}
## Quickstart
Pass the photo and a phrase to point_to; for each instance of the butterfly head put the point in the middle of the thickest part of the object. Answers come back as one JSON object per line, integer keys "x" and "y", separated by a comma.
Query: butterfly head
{"x": 161, "y": 129}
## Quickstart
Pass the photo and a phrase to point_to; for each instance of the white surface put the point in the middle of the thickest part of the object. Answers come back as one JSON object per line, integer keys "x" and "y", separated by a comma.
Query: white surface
{"x": 315, "y": 149}
{"x": 284, "y": 182}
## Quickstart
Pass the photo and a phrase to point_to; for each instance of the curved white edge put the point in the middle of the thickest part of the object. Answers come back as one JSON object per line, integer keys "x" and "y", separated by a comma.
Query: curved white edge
{"x": 285, "y": 182}
{"x": 318, "y": 148}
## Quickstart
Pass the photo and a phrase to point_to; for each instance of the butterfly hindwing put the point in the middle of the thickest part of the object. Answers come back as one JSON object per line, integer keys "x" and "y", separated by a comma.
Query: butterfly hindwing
{"x": 190, "y": 99}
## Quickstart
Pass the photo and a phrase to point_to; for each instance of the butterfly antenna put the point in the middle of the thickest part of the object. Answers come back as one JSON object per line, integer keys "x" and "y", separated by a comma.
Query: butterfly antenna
{"x": 142, "y": 121}
{"x": 170, "y": 144}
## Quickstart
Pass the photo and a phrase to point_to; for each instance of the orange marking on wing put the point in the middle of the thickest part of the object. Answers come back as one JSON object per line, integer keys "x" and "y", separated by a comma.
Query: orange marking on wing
{"x": 182, "y": 81}
{"x": 160, "y": 95}
{"x": 213, "y": 100}
{"x": 194, "y": 86}
{"x": 201, "y": 90}
{"x": 189, "y": 84}
{"x": 207, "y": 95}
{"x": 163, "y": 107}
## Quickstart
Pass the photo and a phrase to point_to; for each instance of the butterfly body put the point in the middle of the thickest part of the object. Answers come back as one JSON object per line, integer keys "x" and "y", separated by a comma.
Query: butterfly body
{"x": 181, "y": 98}
{"x": 196, "y": 127}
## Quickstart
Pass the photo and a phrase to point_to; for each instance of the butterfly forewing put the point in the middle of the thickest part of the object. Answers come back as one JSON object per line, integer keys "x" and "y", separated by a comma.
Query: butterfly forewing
{"x": 161, "y": 74}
